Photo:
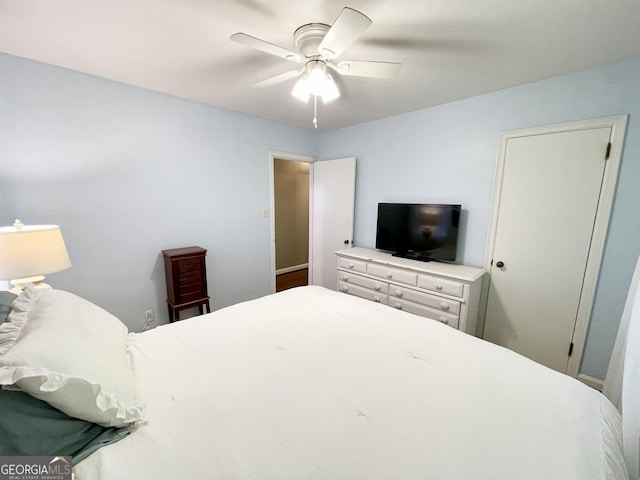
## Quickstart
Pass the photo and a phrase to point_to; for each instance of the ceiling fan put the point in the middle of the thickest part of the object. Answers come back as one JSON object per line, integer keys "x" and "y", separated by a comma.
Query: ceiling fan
{"x": 318, "y": 46}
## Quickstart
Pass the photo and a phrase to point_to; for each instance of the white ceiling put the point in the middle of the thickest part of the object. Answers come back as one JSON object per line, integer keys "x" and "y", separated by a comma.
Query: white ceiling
{"x": 449, "y": 49}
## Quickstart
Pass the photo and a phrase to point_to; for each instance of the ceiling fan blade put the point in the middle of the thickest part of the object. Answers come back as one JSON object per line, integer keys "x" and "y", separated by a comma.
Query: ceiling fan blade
{"x": 278, "y": 78}
{"x": 360, "y": 68}
{"x": 348, "y": 26}
{"x": 267, "y": 47}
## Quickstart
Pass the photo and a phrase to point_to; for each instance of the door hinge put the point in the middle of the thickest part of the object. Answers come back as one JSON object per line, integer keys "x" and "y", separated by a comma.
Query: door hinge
{"x": 606, "y": 156}
{"x": 571, "y": 349}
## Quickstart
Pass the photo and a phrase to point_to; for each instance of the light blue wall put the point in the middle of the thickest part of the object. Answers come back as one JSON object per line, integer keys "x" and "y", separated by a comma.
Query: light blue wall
{"x": 448, "y": 154}
{"x": 126, "y": 173}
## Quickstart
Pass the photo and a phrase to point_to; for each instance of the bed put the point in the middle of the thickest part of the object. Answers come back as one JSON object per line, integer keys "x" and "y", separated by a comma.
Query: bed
{"x": 305, "y": 384}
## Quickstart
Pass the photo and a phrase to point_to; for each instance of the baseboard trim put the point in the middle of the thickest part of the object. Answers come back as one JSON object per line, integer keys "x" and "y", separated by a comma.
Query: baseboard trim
{"x": 590, "y": 381}
{"x": 295, "y": 268}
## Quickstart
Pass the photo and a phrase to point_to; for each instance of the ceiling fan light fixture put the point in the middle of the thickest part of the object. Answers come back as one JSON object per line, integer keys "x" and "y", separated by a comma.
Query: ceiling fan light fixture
{"x": 330, "y": 91}
{"x": 301, "y": 89}
{"x": 317, "y": 82}
{"x": 317, "y": 77}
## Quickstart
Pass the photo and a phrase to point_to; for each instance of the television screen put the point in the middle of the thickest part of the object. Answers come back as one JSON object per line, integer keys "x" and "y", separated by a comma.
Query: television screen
{"x": 421, "y": 231}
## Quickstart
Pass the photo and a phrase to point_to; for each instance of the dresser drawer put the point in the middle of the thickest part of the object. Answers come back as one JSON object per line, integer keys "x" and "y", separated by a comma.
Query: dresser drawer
{"x": 366, "y": 282}
{"x": 352, "y": 265}
{"x": 392, "y": 274}
{"x": 188, "y": 262}
{"x": 186, "y": 267}
{"x": 441, "y": 286}
{"x": 192, "y": 297}
{"x": 185, "y": 278}
{"x": 438, "y": 303}
{"x": 423, "y": 311}
{"x": 362, "y": 292}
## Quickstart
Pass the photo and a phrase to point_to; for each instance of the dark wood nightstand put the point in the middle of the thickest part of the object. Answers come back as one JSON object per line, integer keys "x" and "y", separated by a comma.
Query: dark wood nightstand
{"x": 186, "y": 274}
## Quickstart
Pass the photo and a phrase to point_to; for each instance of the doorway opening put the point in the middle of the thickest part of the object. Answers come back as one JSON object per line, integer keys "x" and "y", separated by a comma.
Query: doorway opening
{"x": 330, "y": 207}
{"x": 291, "y": 217}
{"x": 291, "y": 185}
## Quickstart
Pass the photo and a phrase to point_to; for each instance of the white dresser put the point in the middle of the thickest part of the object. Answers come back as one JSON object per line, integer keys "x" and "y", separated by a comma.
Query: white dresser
{"x": 440, "y": 291}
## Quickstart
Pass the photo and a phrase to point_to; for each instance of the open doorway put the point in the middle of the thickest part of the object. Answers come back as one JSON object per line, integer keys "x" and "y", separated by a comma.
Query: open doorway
{"x": 291, "y": 220}
{"x": 330, "y": 204}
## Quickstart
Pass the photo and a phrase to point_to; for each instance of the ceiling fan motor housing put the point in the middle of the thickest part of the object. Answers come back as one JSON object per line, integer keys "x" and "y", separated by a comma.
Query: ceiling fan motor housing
{"x": 307, "y": 38}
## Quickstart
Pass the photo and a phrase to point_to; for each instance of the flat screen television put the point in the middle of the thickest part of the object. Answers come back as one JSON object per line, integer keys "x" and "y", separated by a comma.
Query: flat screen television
{"x": 419, "y": 231}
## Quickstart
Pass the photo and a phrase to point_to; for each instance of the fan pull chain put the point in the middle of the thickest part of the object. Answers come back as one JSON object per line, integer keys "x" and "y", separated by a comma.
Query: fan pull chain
{"x": 315, "y": 111}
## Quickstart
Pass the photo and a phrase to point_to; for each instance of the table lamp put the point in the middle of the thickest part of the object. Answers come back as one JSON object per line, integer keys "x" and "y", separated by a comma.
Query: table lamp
{"x": 28, "y": 252}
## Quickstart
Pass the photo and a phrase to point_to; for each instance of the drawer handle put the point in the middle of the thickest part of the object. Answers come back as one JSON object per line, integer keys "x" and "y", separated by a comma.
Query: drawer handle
{"x": 398, "y": 306}
{"x": 376, "y": 299}
{"x": 345, "y": 278}
{"x": 438, "y": 286}
{"x": 377, "y": 287}
{"x": 444, "y": 306}
{"x": 389, "y": 275}
{"x": 345, "y": 288}
{"x": 398, "y": 293}
{"x": 444, "y": 320}
{"x": 351, "y": 265}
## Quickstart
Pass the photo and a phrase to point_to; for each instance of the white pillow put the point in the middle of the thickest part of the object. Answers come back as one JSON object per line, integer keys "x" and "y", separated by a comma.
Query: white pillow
{"x": 72, "y": 354}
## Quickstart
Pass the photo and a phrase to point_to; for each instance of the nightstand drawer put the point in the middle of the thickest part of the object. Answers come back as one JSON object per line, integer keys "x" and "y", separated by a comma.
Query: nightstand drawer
{"x": 366, "y": 282}
{"x": 392, "y": 274}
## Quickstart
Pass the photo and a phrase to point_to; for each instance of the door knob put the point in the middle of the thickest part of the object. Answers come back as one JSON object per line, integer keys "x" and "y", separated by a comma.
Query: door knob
{"x": 499, "y": 264}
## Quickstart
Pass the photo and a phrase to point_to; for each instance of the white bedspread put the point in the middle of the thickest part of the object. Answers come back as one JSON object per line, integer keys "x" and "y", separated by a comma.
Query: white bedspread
{"x": 314, "y": 384}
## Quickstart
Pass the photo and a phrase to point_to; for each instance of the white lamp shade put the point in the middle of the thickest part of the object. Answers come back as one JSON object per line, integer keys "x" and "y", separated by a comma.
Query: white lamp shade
{"x": 33, "y": 250}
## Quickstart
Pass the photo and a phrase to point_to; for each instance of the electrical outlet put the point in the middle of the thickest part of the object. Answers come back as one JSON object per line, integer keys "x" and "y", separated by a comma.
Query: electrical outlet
{"x": 149, "y": 316}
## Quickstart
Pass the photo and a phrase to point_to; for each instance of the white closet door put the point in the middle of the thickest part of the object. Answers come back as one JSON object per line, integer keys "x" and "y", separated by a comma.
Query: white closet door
{"x": 545, "y": 219}
{"x": 333, "y": 201}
